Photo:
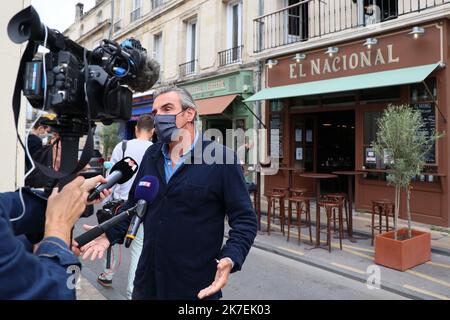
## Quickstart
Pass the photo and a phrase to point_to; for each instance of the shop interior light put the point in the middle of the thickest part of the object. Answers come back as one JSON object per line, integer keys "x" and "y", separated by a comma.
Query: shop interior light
{"x": 271, "y": 63}
{"x": 370, "y": 42}
{"x": 327, "y": 124}
{"x": 299, "y": 57}
{"x": 417, "y": 32}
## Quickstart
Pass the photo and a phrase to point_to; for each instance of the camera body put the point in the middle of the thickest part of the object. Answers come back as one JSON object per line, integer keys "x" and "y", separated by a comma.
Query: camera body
{"x": 109, "y": 210}
{"x": 74, "y": 75}
{"x": 109, "y": 97}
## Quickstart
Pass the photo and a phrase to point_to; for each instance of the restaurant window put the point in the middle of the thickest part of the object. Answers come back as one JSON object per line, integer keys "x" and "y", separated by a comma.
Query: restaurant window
{"x": 304, "y": 139}
{"x": 276, "y": 123}
{"x": 390, "y": 94}
{"x": 338, "y": 99}
{"x": 422, "y": 100}
{"x": 370, "y": 160}
{"x": 303, "y": 102}
{"x": 420, "y": 93}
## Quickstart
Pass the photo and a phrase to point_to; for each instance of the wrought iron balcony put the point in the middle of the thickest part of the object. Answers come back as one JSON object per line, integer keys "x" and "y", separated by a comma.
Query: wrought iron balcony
{"x": 188, "y": 68}
{"x": 314, "y": 18}
{"x": 230, "y": 56}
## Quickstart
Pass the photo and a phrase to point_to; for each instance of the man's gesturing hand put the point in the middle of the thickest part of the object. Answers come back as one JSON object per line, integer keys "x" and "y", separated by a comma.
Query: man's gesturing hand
{"x": 223, "y": 271}
{"x": 95, "y": 248}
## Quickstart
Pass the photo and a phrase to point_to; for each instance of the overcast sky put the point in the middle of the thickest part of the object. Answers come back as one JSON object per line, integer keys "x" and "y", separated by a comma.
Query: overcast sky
{"x": 59, "y": 14}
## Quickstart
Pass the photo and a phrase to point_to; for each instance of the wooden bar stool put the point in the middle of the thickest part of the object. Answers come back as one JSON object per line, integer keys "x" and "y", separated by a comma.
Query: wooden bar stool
{"x": 272, "y": 197}
{"x": 329, "y": 206}
{"x": 296, "y": 192}
{"x": 381, "y": 207}
{"x": 302, "y": 204}
{"x": 342, "y": 199}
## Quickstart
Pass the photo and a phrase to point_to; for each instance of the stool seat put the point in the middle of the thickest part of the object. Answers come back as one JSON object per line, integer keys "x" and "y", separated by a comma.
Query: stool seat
{"x": 302, "y": 206}
{"x": 276, "y": 194}
{"x": 330, "y": 206}
{"x": 383, "y": 208}
{"x": 299, "y": 198}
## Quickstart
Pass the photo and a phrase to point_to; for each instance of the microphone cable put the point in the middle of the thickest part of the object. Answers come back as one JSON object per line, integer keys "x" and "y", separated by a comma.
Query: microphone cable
{"x": 40, "y": 113}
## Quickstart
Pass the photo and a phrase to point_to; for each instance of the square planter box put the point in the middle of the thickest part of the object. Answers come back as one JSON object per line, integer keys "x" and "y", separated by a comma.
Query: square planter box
{"x": 402, "y": 254}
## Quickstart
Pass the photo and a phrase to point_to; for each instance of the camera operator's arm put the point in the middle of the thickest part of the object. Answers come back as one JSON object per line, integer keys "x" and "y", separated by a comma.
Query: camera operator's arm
{"x": 45, "y": 275}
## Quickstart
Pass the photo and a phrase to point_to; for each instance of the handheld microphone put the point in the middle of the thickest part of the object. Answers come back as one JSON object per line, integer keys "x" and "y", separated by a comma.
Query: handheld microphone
{"x": 120, "y": 173}
{"x": 146, "y": 191}
{"x": 98, "y": 230}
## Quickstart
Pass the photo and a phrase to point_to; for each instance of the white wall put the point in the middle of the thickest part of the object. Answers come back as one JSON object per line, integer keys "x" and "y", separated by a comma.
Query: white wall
{"x": 12, "y": 157}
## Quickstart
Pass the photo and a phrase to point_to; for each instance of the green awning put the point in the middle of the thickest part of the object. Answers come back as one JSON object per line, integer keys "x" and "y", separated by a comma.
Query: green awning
{"x": 362, "y": 81}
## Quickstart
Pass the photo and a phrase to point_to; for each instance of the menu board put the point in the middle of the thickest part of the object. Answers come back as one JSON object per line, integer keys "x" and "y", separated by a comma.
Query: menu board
{"x": 276, "y": 122}
{"x": 428, "y": 113}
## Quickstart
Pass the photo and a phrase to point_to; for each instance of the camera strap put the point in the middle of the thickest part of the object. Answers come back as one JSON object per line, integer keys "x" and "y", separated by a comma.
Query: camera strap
{"x": 87, "y": 152}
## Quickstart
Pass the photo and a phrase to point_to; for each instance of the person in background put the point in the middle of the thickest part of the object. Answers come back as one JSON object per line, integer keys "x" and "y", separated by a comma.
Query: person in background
{"x": 135, "y": 149}
{"x": 34, "y": 142}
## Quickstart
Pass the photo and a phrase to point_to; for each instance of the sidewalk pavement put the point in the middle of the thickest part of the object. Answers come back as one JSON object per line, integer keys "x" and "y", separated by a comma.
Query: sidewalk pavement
{"x": 355, "y": 261}
{"x": 86, "y": 291}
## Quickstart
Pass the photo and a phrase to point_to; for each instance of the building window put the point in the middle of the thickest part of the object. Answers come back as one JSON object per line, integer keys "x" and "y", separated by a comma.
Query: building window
{"x": 158, "y": 51}
{"x": 376, "y": 11}
{"x": 296, "y": 21}
{"x": 233, "y": 53}
{"x": 120, "y": 15}
{"x": 189, "y": 66}
{"x": 99, "y": 17}
{"x": 136, "y": 10}
{"x": 157, "y": 3}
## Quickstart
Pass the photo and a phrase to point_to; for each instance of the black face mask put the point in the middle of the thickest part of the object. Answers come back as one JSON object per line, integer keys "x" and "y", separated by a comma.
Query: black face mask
{"x": 166, "y": 127}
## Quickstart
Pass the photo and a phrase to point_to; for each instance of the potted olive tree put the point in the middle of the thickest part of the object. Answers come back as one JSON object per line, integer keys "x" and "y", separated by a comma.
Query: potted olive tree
{"x": 402, "y": 140}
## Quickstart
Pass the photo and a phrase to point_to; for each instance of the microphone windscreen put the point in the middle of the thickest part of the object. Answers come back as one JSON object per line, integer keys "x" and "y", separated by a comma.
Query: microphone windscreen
{"x": 127, "y": 166}
{"x": 147, "y": 189}
{"x": 146, "y": 77}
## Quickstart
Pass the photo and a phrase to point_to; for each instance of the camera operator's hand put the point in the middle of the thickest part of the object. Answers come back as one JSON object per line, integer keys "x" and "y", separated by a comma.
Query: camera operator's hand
{"x": 91, "y": 183}
{"x": 64, "y": 209}
{"x": 95, "y": 248}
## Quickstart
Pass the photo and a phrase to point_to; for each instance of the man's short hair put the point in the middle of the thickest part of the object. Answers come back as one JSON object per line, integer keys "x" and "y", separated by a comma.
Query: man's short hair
{"x": 145, "y": 122}
{"x": 185, "y": 97}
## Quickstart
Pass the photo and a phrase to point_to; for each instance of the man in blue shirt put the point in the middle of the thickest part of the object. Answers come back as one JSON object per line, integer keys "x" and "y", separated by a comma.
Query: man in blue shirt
{"x": 201, "y": 183}
{"x": 49, "y": 273}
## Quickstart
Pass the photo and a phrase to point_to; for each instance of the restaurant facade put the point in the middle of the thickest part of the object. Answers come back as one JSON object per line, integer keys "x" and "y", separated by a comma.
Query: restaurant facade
{"x": 326, "y": 102}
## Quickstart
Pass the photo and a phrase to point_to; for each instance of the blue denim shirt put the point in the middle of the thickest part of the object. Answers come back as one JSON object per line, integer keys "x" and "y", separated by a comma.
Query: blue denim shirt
{"x": 169, "y": 171}
{"x": 46, "y": 274}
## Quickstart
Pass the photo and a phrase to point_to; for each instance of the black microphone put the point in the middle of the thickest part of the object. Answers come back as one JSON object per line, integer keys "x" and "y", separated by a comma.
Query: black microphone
{"x": 120, "y": 173}
{"x": 141, "y": 209}
{"x": 145, "y": 193}
{"x": 98, "y": 230}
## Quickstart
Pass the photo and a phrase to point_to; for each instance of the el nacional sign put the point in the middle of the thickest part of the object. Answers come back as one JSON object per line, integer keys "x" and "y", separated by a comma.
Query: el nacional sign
{"x": 362, "y": 59}
{"x": 393, "y": 51}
